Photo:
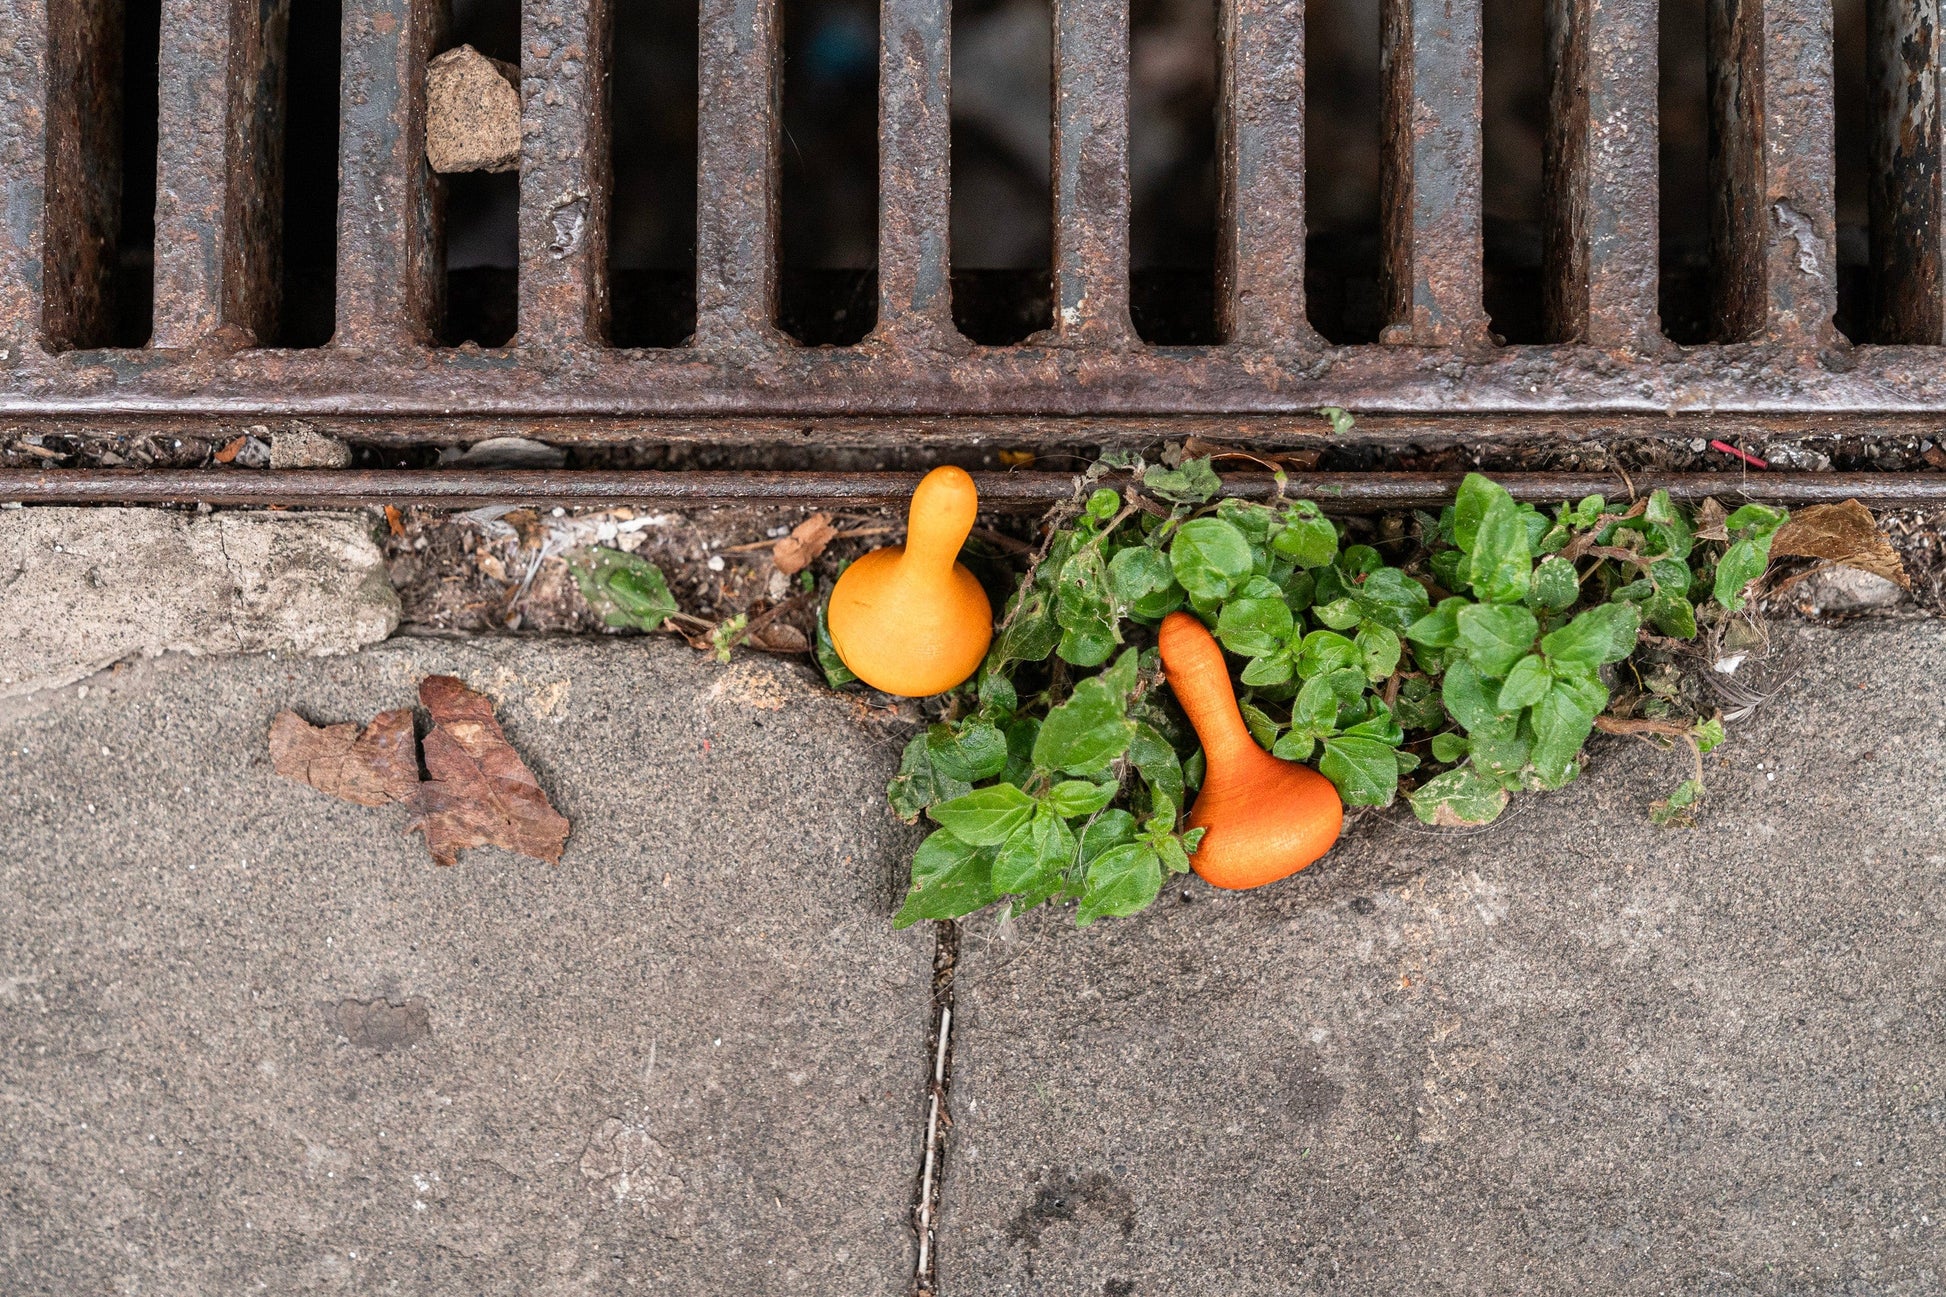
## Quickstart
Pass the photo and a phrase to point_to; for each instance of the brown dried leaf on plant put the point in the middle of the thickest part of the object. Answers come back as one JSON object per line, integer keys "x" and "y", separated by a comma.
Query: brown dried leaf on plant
{"x": 1844, "y": 534}
{"x": 480, "y": 794}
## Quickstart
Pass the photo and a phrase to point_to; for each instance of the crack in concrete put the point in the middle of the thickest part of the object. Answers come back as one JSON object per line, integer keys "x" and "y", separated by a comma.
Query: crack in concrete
{"x": 939, "y": 1120}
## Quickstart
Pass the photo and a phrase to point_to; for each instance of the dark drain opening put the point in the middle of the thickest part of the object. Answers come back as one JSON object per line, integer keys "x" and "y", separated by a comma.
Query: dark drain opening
{"x": 308, "y": 284}
{"x": 1342, "y": 107}
{"x": 652, "y": 235}
{"x": 827, "y": 291}
{"x": 1172, "y": 170}
{"x": 1514, "y": 94}
{"x": 482, "y": 208}
{"x": 1684, "y": 194}
{"x": 1002, "y": 213}
{"x": 101, "y": 138}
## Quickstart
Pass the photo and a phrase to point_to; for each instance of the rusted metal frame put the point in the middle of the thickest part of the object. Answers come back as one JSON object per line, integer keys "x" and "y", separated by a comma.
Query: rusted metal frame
{"x": 1737, "y": 220}
{"x": 915, "y": 302}
{"x": 1090, "y": 164}
{"x": 564, "y": 173}
{"x": 23, "y": 174}
{"x": 1433, "y": 264}
{"x": 1908, "y": 171}
{"x": 740, "y": 43}
{"x": 391, "y": 287}
{"x": 1600, "y": 218}
{"x": 82, "y": 215}
{"x": 1260, "y": 175}
{"x": 219, "y": 170}
{"x": 1042, "y": 381}
{"x": 465, "y": 488}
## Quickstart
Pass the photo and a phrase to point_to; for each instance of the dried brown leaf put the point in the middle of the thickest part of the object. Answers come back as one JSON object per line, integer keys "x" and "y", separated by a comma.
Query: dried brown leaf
{"x": 779, "y": 637}
{"x": 373, "y": 767}
{"x": 801, "y": 548}
{"x": 231, "y": 450}
{"x": 1709, "y": 520}
{"x": 481, "y": 793}
{"x": 1844, "y": 534}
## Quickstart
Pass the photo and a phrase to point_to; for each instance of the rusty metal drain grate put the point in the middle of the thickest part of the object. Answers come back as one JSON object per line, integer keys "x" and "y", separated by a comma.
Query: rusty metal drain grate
{"x": 381, "y": 379}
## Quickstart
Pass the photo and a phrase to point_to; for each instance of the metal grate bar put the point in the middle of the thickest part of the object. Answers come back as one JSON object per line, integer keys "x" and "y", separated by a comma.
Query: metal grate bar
{"x": 915, "y": 305}
{"x": 23, "y": 171}
{"x": 1908, "y": 207}
{"x": 563, "y": 174}
{"x": 1430, "y": 184}
{"x": 218, "y": 169}
{"x": 737, "y": 181}
{"x": 1260, "y": 256}
{"x": 1600, "y": 223}
{"x": 1091, "y": 199}
{"x": 1338, "y": 492}
{"x": 390, "y": 288}
{"x": 1800, "y": 172}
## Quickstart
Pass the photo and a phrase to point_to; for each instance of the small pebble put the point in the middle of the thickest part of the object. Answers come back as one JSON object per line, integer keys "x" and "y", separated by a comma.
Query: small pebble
{"x": 715, "y": 563}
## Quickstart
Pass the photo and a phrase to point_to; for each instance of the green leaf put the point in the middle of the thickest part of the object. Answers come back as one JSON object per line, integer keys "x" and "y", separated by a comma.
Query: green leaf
{"x": 1391, "y": 598}
{"x": 1294, "y": 745}
{"x": 1192, "y": 483}
{"x": 1380, "y": 648}
{"x": 1034, "y": 854}
{"x": 1526, "y": 684}
{"x": 1741, "y": 564}
{"x": 1562, "y": 720}
{"x": 1338, "y": 417}
{"x": 1672, "y": 615}
{"x": 1142, "y": 579}
{"x": 1210, "y": 557}
{"x": 1677, "y": 811}
{"x": 1075, "y": 797}
{"x": 1085, "y": 610}
{"x": 1033, "y": 632}
{"x": 1365, "y": 770}
{"x": 1264, "y": 672}
{"x": 1322, "y": 651}
{"x": 1469, "y": 699}
{"x": 950, "y": 879}
{"x": 1501, "y": 749}
{"x": 1261, "y": 727}
{"x": 1757, "y": 519}
{"x": 1156, "y": 761}
{"x": 1554, "y": 586}
{"x": 968, "y": 752}
{"x": 1021, "y": 732}
{"x": 1598, "y": 636}
{"x": 1502, "y": 561}
{"x": 622, "y": 589}
{"x": 918, "y": 785}
{"x": 1477, "y": 495}
{"x": 1458, "y": 798}
{"x": 1439, "y": 628}
{"x": 836, "y": 673}
{"x": 996, "y": 693}
{"x": 1495, "y": 636}
{"x": 1256, "y": 624}
{"x": 1339, "y": 614}
{"x": 1085, "y": 733}
{"x": 1709, "y": 734}
{"x": 985, "y": 816}
{"x": 1308, "y": 539}
{"x": 1121, "y": 881}
{"x": 1449, "y": 748}
{"x": 1106, "y": 831}
{"x": 1382, "y": 725}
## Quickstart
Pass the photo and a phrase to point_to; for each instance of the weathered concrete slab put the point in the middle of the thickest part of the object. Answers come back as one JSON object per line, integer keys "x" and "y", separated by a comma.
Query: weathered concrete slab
{"x": 81, "y": 588}
{"x": 252, "y": 1039}
{"x": 1575, "y": 1053}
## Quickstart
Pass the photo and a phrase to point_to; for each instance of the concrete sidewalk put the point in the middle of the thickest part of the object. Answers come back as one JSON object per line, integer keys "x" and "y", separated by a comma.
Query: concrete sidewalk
{"x": 251, "y": 1039}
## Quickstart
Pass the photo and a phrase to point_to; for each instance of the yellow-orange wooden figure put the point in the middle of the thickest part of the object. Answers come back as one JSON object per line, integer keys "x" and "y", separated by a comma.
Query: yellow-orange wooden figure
{"x": 910, "y": 619}
{"x": 1265, "y": 818}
